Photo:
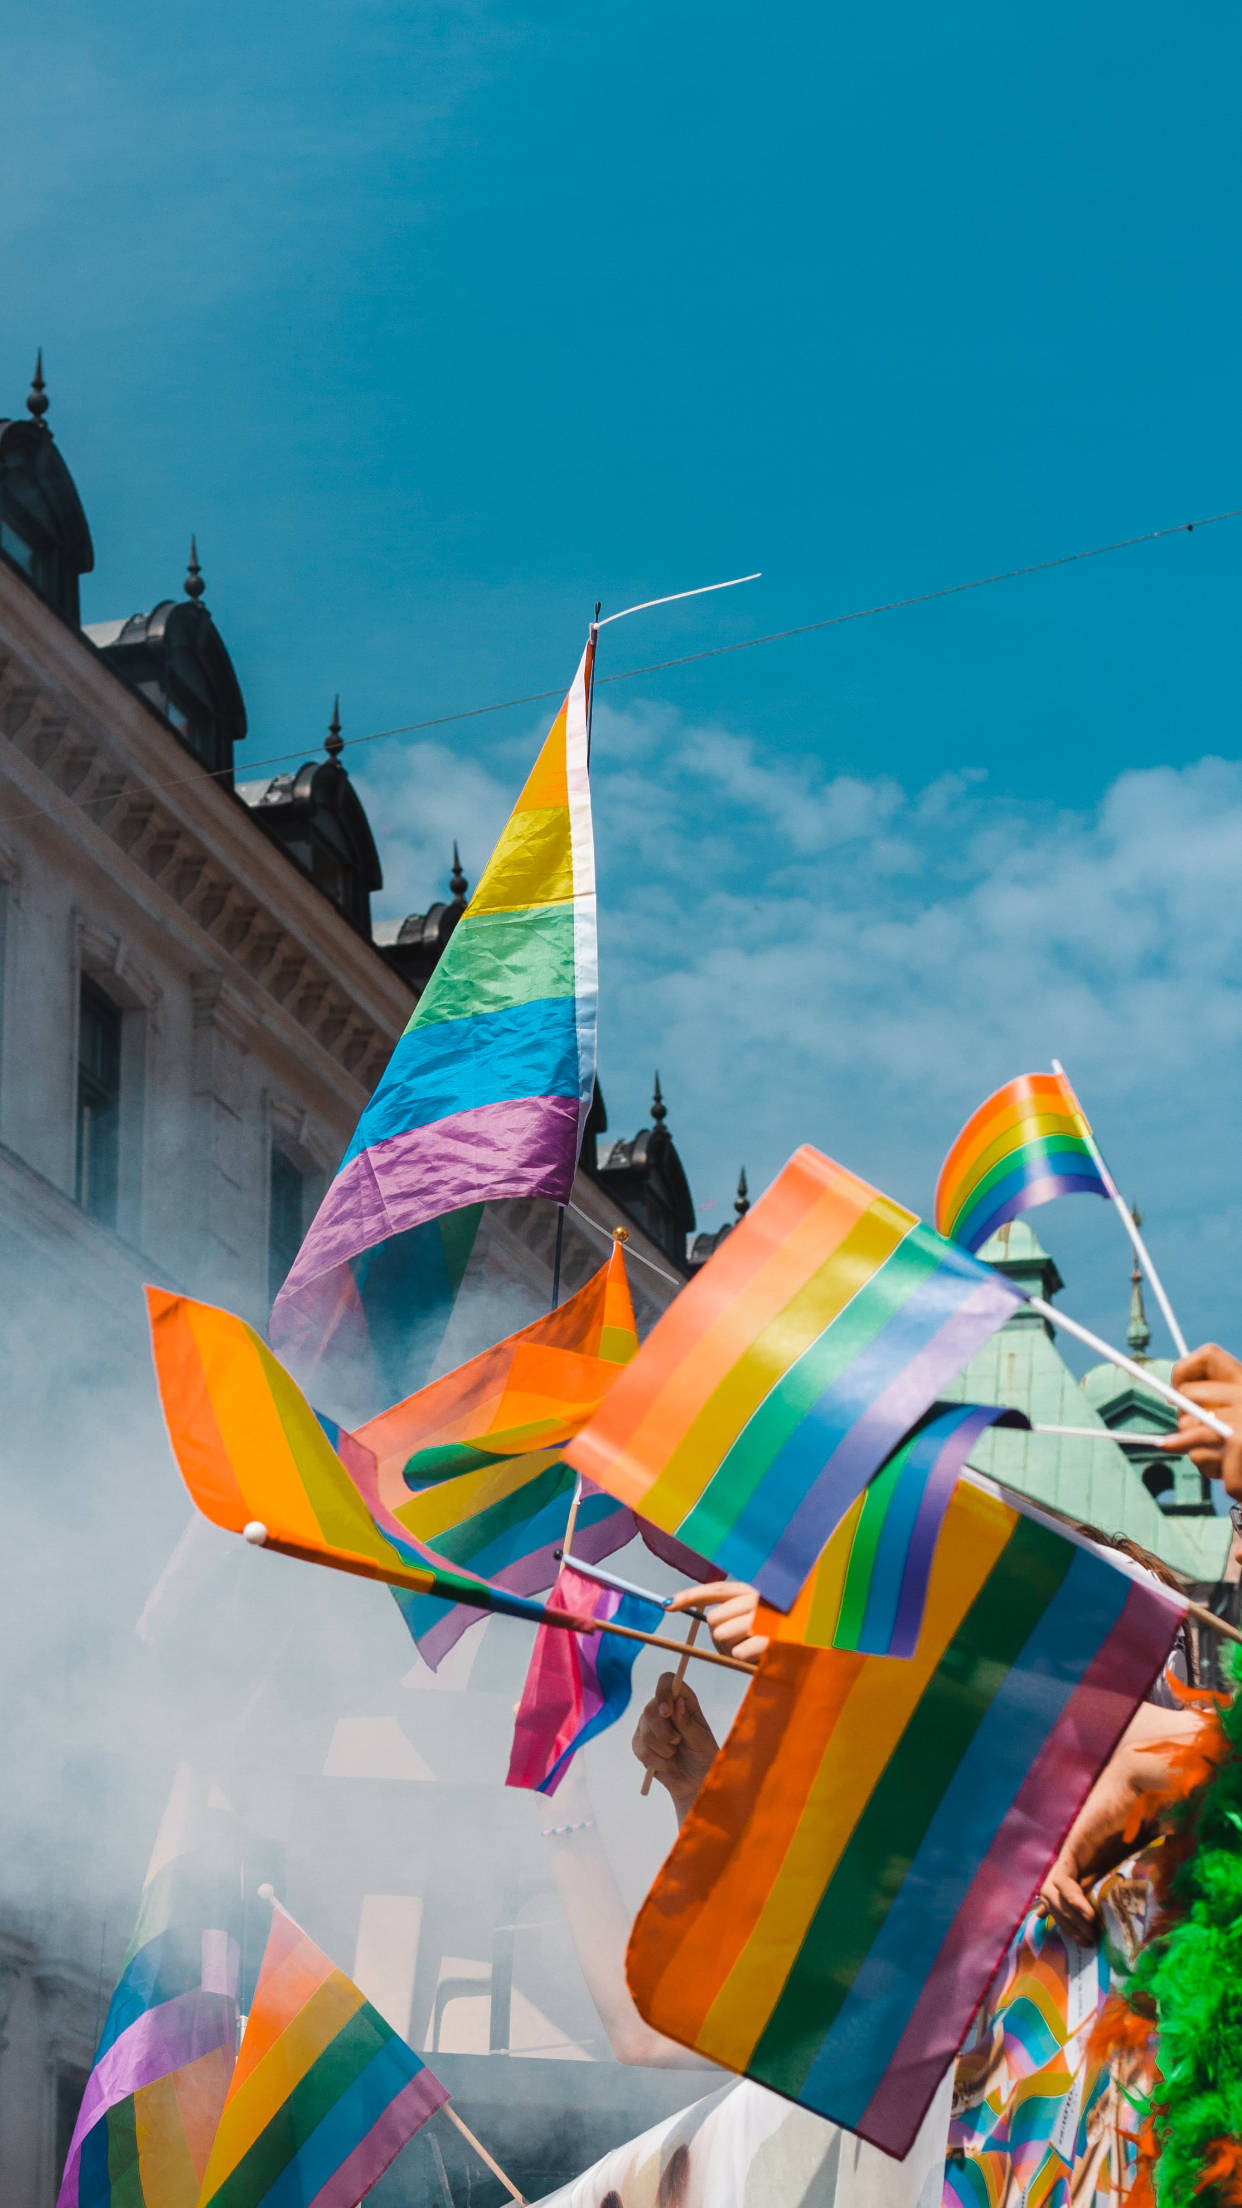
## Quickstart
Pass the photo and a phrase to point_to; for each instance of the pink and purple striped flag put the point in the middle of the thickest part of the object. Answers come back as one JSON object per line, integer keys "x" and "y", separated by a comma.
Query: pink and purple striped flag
{"x": 572, "y": 1695}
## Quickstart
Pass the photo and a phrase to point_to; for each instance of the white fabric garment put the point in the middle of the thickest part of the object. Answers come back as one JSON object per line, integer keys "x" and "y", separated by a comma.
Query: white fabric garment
{"x": 744, "y": 2147}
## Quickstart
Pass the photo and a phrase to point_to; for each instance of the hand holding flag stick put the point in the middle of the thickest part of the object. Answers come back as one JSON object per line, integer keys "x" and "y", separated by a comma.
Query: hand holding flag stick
{"x": 678, "y": 1679}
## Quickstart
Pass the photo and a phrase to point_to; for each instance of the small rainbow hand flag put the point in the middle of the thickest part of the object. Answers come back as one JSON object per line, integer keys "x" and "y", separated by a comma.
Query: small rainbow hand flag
{"x": 865, "y": 1844}
{"x": 487, "y": 1092}
{"x": 252, "y": 1451}
{"x": 576, "y": 1692}
{"x": 165, "y": 2055}
{"x": 775, "y": 1386}
{"x": 325, "y": 2093}
{"x": 473, "y": 1464}
{"x": 1028, "y": 1143}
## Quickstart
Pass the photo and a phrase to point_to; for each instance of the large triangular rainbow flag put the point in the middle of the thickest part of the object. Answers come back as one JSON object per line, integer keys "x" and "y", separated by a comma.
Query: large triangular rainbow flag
{"x": 325, "y": 2093}
{"x": 165, "y": 2055}
{"x": 487, "y": 1092}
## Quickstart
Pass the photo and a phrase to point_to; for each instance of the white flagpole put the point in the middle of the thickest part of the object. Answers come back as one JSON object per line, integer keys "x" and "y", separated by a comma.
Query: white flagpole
{"x": 673, "y": 597}
{"x": 1140, "y": 1373}
{"x": 1128, "y": 1220}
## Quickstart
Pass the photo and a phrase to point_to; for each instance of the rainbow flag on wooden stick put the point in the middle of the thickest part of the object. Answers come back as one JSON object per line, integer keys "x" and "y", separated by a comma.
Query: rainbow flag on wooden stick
{"x": 253, "y": 1453}
{"x": 487, "y": 1092}
{"x": 864, "y": 1846}
{"x": 473, "y": 1464}
{"x": 165, "y": 2055}
{"x": 325, "y": 2093}
{"x": 1028, "y": 1143}
{"x": 775, "y": 1386}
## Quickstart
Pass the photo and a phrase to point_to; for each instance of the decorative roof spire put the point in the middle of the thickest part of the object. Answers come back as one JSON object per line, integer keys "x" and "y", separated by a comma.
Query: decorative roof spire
{"x": 659, "y": 1109}
{"x": 741, "y": 1202}
{"x": 1138, "y": 1332}
{"x": 334, "y": 742}
{"x": 457, "y": 880}
{"x": 37, "y": 403}
{"x": 194, "y": 584}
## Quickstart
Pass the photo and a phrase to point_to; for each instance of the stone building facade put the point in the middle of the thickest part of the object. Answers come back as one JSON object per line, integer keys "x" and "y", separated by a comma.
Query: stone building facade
{"x": 193, "y": 1010}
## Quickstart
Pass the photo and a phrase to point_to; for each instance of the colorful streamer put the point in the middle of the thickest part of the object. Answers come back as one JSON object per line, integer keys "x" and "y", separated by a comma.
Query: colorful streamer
{"x": 776, "y": 1384}
{"x": 325, "y": 2093}
{"x": 165, "y": 2056}
{"x": 575, "y": 1691}
{"x": 487, "y": 1092}
{"x": 1028, "y": 1143}
{"x": 847, "y": 1881}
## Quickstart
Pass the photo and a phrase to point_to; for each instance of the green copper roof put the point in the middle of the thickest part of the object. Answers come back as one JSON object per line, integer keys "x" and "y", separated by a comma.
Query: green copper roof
{"x": 1091, "y": 1480}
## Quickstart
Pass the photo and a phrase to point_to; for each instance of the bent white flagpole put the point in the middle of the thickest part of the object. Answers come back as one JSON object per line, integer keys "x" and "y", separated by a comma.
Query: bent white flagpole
{"x": 1128, "y": 1220}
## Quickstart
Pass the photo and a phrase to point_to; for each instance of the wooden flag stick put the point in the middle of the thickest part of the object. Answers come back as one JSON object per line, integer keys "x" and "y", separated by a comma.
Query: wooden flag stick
{"x": 424, "y": 1583}
{"x": 482, "y": 2152}
{"x": 678, "y": 1678}
{"x": 1100, "y": 1433}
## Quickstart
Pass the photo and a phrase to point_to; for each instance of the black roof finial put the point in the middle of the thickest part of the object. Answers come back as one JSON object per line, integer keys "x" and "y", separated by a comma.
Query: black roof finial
{"x": 741, "y": 1202}
{"x": 457, "y": 880}
{"x": 194, "y": 584}
{"x": 334, "y": 742}
{"x": 37, "y": 403}
{"x": 659, "y": 1109}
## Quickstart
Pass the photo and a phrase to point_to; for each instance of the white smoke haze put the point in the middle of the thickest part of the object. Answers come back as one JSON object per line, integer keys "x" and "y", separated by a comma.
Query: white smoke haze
{"x": 370, "y": 1792}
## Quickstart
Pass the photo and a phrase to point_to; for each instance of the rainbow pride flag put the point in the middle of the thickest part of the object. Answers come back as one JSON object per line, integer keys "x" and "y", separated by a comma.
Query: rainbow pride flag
{"x": 165, "y": 2056}
{"x": 862, "y": 1850}
{"x": 473, "y": 1464}
{"x": 576, "y": 1690}
{"x": 776, "y": 1384}
{"x": 507, "y": 1524}
{"x": 892, "y": 1531}
{"x": 1028, "y": 1143}
{"x": 487, "y": 1092}
{"x": 325, "y": 2093}
{"x": 251, "y": 1450}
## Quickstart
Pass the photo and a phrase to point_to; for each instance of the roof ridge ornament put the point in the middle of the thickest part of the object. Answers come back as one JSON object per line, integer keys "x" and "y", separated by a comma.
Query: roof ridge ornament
{"x": 659, "y": 1109}
{"x": 1138, "y": 1332}
{"x": 334, "y": 742}
{"x": 741, "y": 1202}
{"x": 457, "y": 880}
{"x": 37, "y": 402}
{"x": 194, "y": 584}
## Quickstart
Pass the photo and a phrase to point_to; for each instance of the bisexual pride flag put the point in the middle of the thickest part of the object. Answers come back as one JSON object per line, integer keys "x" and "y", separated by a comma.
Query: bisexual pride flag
{"x": 576, "y": 1692}
{"x": 487, "y": 1092}
{"x": 774, "y": 1387}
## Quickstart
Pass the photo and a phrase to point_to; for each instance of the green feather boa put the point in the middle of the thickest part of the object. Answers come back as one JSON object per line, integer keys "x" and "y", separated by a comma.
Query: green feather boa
{"x": 1192, "y": 1974}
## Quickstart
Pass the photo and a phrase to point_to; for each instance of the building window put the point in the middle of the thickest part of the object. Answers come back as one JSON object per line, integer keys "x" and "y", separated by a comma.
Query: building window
{"x": 284, "y": 1218}
{"x": 99, "y": 1102}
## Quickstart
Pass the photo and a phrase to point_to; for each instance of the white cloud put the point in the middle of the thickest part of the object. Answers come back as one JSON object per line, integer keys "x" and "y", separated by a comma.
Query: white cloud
{"x": 834, "y": 959}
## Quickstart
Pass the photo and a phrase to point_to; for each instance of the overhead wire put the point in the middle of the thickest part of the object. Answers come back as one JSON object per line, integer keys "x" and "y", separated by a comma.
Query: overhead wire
{"x": 689, "y": 659}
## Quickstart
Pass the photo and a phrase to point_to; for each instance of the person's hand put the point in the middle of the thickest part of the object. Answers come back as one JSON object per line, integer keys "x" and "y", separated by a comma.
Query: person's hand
{"x": 1115, "y": 1815}
{"x": 674, "y": 1740}
{"x": 1212, "y": 1378}
{"x": 730, "y": 1606}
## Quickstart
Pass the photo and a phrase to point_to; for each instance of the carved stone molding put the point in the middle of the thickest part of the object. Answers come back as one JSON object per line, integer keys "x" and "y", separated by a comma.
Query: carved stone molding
{"x": 113, "y": 797}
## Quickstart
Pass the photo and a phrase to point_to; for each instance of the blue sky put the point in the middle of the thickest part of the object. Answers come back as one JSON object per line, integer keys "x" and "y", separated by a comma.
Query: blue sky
{"x": 439, "y": 322}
